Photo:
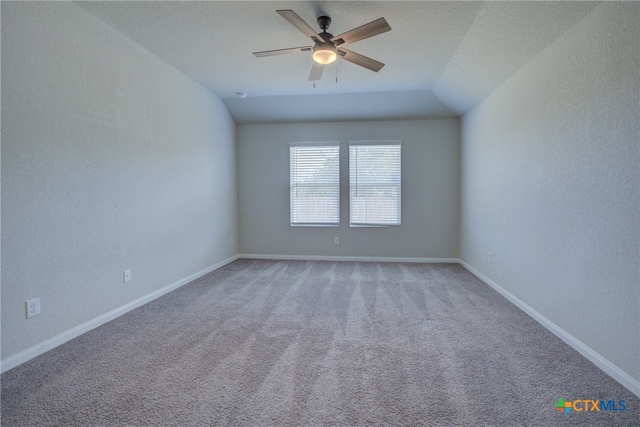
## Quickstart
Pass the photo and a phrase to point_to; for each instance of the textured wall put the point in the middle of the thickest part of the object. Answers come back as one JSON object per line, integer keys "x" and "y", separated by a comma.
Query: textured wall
{"x": 430, "y": 171}
{"x": 111, "y": 160}
{"x": 549, "y": 185}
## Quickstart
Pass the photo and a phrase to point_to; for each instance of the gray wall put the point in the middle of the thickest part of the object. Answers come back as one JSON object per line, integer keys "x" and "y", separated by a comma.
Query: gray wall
{"x": 430, "y": 181}
{"x": 111, "y": 160}
{"x": 550, "y": 173}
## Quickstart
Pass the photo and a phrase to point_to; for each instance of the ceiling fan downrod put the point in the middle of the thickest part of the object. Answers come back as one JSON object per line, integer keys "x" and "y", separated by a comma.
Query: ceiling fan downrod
{"x": 324, "y": 22}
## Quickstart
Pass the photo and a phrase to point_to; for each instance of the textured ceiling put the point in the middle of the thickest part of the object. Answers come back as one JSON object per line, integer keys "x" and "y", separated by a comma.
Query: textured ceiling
{"x": 442, "y": 58}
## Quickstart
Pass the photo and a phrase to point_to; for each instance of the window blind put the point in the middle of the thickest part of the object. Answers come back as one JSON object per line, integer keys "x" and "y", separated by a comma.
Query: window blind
{"x": 314, "y": 176}
{"x": 374, "y": 184}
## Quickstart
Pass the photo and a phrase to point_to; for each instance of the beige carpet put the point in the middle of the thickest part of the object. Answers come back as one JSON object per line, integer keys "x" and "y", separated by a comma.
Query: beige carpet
{"x": 277, "y": 343}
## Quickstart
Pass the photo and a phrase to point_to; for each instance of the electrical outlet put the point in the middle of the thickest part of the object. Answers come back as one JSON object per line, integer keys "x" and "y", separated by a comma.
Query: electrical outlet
{"x": 231, "y": 240}
{"x": 489, "y": 257}
{"x": 33, "y": 307}
{"x": 336, "y": 240}
{"x": 127, "y": 276}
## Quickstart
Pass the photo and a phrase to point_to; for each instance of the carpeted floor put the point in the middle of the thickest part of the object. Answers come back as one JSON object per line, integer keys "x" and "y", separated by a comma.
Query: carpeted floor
{"x": 296, "y": 343}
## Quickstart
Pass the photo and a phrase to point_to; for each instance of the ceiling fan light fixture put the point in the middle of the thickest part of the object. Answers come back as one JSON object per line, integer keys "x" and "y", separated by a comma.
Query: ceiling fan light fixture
{"x": 324, "y": 53}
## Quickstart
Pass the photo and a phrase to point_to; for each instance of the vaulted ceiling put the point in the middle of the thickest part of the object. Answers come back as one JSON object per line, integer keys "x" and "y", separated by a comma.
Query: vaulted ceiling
{"x": 442, "y": 58}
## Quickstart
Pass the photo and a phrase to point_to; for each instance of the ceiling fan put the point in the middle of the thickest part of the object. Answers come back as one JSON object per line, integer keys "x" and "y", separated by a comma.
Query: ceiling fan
{"x": 327, "y": 47}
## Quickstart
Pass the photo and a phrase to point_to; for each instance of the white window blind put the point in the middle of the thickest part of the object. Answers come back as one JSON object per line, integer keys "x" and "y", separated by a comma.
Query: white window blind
{"x": 314, "y": 176}
{"x": 374, "y": 184}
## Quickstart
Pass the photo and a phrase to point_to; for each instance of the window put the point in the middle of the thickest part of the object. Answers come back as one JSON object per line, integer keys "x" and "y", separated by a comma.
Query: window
{"x": 314, "y": 177}
{"x": 374, "y": 183}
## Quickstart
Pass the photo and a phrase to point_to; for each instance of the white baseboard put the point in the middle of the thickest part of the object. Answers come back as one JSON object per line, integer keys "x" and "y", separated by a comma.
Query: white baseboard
{"x": 605, "y": 365}
{"x": 347, "y": 258}
{"x": 51, "y": 343}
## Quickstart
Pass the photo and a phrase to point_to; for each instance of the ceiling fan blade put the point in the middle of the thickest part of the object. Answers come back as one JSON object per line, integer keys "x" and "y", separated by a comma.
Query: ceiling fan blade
{"x": 365, "y": 31}
{"x": 316, "y": 71}
{"x": 361, "y": 60}
{"x": 297, "y": 22}
{"x": 282, "y": 51}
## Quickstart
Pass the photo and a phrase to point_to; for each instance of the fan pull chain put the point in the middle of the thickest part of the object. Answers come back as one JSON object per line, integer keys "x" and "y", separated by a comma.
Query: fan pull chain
{"x": 336, "y": 73}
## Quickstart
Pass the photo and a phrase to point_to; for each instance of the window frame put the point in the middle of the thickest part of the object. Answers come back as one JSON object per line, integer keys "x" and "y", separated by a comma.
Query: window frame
{"x": 314, "y": 144}
{"x": 399, "y": 184}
